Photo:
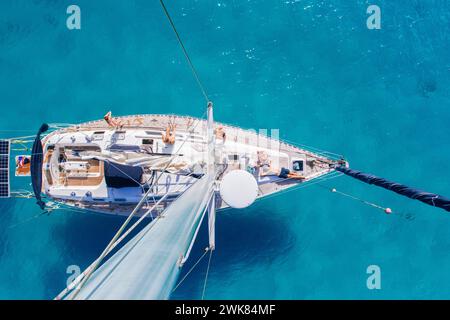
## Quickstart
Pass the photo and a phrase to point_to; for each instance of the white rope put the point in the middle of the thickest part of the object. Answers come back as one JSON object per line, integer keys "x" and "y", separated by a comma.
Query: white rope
{"x": 334, "y": 190}
{"x": 61, "y": 125}
{"x": 22, "y": 194}
{"x": 21, "y": 138}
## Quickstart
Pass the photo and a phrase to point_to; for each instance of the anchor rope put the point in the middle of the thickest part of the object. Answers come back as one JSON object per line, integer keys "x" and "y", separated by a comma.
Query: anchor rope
{"x": 404, "y": 215}
{"x": 334, "y": 190}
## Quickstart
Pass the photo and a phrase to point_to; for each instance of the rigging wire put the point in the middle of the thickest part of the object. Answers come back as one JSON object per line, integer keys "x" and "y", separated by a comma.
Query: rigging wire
{"x": 191, "y": 65}
{"x": 207, "y": 272}
{"x": 323, "y": 152}
{"x": 327, "y": 176}
{"x": 191, "y": 269}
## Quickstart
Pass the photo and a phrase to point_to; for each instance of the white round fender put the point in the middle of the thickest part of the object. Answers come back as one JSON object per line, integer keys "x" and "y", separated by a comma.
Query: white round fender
{"x": 238, "y": 189}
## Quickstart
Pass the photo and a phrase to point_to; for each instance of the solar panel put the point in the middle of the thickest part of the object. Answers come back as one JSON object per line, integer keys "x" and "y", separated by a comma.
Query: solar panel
{"x": 4, "y": 168}
{"x": 4, "y": 161}
{"x": 4, "y": 147}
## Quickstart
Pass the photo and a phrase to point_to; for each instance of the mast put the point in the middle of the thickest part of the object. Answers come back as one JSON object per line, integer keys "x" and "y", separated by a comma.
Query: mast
{"x": 211, "y": 170}
{"x": 149, "y": 264}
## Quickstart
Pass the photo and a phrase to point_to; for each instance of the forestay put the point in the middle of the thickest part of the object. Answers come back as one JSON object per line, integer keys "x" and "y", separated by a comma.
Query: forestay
{"x": 148, "y": 266}
{"x": 429, "y": 198}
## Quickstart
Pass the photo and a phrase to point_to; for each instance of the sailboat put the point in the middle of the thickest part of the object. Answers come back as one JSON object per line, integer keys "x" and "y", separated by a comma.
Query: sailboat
{"x": 129, "y": 167}
{"x": 108, "y": 170}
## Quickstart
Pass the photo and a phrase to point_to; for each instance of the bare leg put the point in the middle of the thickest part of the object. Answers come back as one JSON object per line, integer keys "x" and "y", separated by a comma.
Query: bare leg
{"x": 107, "y": 118}
{"x": 119, "y": 124}
{"x": 167, "y": 137}
{"x": 172, "y": 139}
{"x": 295, "y": 176}
{"x": 171, "y": 136}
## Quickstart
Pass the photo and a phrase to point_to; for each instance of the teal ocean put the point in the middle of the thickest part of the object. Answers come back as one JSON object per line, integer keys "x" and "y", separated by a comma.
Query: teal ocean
{"x": 311, "y": 69}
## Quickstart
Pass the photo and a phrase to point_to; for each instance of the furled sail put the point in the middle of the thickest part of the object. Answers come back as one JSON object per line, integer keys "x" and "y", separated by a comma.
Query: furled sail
{"x": 148, "y": 266}
{"x": 36, "y": 166}
{"x": 431, "y": 199}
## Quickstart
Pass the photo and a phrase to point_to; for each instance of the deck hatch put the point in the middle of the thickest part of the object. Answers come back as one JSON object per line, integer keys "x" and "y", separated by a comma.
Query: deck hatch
{"x": 297, "y": 165}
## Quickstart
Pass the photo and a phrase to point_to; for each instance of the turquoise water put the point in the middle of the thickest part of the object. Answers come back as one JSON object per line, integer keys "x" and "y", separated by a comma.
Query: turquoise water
{"x": 309, "y": 68}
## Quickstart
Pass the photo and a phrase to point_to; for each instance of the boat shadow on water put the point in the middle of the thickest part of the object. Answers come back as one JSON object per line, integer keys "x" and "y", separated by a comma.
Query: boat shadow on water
{"x": 245, "y": 239}
{"x": 80, "y": 246}
{"x": 7, "y": 209}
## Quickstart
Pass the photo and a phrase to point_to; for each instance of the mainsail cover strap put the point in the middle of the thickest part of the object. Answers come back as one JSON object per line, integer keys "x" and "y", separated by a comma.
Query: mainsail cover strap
{"x": 431, "y": 199}
{"x": 36, "y": 166}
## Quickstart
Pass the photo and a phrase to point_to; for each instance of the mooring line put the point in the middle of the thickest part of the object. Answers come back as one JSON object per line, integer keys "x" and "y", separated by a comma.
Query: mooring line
{"x": 374, "y": 205}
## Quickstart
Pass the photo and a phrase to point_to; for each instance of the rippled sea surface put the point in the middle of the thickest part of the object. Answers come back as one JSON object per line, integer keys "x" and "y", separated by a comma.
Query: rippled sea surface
{"x": 309, "y": 68}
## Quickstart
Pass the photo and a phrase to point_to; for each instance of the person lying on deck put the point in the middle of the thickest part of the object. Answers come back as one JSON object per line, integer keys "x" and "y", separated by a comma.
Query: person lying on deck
{"x": 169, "y": 136}
{"x": 266, "y": 169}
{"x": 114, "y": 123}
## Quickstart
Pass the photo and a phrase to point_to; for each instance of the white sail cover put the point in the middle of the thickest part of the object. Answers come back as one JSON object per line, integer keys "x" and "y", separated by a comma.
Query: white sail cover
{"x": 147, "y": 267}
{"x": 176, "y": 165}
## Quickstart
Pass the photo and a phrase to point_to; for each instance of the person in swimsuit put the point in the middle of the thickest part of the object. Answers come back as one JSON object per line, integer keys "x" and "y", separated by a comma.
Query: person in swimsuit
{"x": 287, "y": 174}
{"x": 112, "y": 122}
{"x": 266, "y": 169}
{"x": 220, "y": 133}
{"x": 169, "y": 136}
{"x": 23, "y": 165}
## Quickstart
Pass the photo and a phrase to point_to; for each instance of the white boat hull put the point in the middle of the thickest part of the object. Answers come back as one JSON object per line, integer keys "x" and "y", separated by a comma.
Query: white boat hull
{"x": 74, "y": 170}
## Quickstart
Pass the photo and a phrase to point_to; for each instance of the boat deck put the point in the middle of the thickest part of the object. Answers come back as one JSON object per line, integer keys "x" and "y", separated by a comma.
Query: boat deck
{"x": 315, "y": 164}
